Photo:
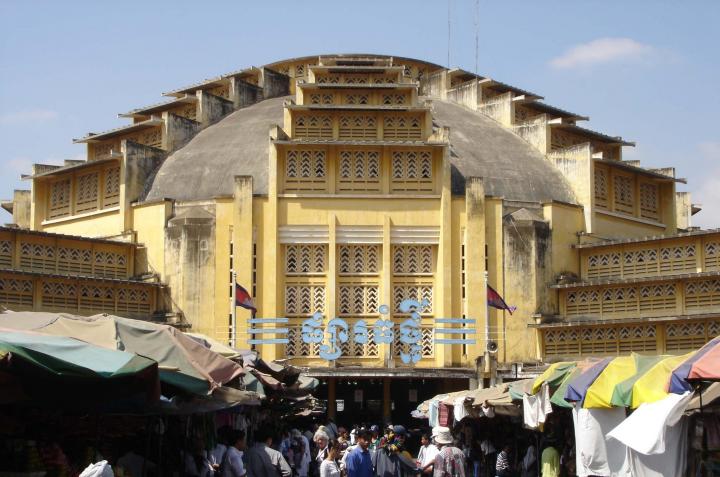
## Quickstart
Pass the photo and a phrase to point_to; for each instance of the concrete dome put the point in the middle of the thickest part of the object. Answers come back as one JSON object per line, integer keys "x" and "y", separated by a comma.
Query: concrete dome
{"x": 238, "y": 145}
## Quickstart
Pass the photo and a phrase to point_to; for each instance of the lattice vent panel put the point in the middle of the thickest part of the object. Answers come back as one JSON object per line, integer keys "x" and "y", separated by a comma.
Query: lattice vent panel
{"x": 358, "y": 126}
{"x": 111, "y": 194}
{"x": 624, "y": 194}
{"x": 75, "y": 261}
{"x": 601, "y": 188}
{"x": 413, "y": 259}
{"x": 110, "y": 264}
{"x": 358, "y": 259}
{"x": 16, "y": 293}
{"x": 702, "y": 295}
{"x": 414, "y": 291}
{"x": 649, "y": 201}
{"x": 87, "y": 192}
{"x": 604, "y": 265}
{"x": 690, "y": 335}
{"x": 59, "y": 199}
{"x": 712, "y": 255}
{"x": 304, "y": 299}
{"x": 6, "y": 253}
{"x": 305, "y": 258}
{"x": 37, "y": 257}
{"x": 314, "y": 126}
{"x": 306, "y": 170}
{"x": 358, "y": 299}
{"x": 411, "y": 171}
{"x": 405, "y": 127}
{"x": 134, "y": 300}
{"x": 358, "y": 171}
{"x": 427, "y": 343}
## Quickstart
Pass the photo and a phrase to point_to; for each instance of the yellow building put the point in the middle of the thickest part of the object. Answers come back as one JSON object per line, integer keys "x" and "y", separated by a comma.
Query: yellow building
{"x": 338, "y": 184}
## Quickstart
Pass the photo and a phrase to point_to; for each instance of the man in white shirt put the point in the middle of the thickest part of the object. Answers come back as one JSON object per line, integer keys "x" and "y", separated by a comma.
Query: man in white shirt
{"x": 232, "y": 464}
{"x": 426, "y": 455}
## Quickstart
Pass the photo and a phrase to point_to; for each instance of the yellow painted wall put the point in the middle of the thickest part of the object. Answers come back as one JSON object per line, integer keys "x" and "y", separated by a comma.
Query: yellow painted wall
{"x": 102, "y": 224}
{"x": 148, "y": 219}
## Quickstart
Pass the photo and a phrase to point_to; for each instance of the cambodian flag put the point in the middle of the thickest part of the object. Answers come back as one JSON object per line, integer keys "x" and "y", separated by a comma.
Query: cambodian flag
{"x": 243, "y": 299}
{"x": 496, "y": 301}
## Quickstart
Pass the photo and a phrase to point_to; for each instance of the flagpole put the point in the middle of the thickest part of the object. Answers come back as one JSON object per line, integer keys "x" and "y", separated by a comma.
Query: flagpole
{"x": 487, "y": 313}
{"x": 233, "y": 311}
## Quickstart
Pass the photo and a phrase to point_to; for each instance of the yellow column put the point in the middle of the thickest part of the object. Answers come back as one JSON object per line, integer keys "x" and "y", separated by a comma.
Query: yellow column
{"x": 242, "y": 239}
{"x": 332, "y": 396}
{"x": 273, "y": 281}
{"x": 475, "y": 295}
{"x": 443, "y": 286}
{"x": 330, "y": 284}
{"x": 386, "y": 285}
{"x": 386, "y": 400}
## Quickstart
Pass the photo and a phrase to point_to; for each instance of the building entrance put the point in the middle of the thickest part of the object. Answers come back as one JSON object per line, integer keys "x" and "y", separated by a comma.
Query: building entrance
{"x": 354, "y": 400}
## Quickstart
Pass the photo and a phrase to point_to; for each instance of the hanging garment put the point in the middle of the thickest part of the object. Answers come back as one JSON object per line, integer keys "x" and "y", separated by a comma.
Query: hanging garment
{"x": 434, "y": 413}
{"x": 671, "y": 463}
{"x": 644, "y": 431}
{"x": 459, "y": 409}
{"x": 445, "y": 414}
{"x": 596, "y": 454}
{"x": 536, "y": 408}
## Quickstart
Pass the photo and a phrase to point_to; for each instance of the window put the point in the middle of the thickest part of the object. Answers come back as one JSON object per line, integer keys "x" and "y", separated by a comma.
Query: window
{"x": 412, "y": 171}
{"x": 305, "y": 170}
{"x": 59, "y": 198}
{"x": 358, "y": 171}
{"x": 624, "y": 194}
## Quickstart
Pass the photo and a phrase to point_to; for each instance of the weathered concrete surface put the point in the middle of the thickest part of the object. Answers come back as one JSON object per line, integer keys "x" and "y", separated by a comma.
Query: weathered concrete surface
{"x": 238, "y": 145}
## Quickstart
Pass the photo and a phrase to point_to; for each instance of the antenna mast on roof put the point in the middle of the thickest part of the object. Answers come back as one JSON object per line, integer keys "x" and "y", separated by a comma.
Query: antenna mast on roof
{"x": 448, "y": 45}
{"x": 477, "y": 34}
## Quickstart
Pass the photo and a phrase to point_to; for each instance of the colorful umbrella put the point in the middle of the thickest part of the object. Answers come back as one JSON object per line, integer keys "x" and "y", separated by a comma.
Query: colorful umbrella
{"x": 578, "y": 387}
{"x": 623, "y": 394}
{"x": 679, "y": 377}
{"x": 600, "y": 392}
{"x": 652, "y": 386}
{"x": 554, "y": 375}
{"x": 707, "y": 368}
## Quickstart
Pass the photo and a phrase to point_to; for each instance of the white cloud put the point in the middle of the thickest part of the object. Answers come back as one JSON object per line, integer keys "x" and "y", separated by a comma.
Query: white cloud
{"x": 28, "y": 116}
{"x": 602, "y": 50}
{"x": 708, "y": 194}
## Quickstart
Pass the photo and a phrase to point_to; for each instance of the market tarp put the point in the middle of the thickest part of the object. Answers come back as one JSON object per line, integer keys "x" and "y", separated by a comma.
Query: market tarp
{"x": 183, "y": 362}
{"x": 554, "y": 375}
{"x": 652, "y": 386}
{"x": 577, "y": 388}
{"x": 600, "y": 392}
{"x": 707, "y": 368}
{"x": 64, "y": 372}
{"x": 679, "y": 377}
{"x": 623, "y": 393}
{"x": 70, "y": 357}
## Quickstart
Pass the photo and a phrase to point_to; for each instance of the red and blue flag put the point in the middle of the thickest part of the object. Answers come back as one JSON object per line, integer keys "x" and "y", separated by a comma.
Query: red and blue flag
{"x": 243, "y": 298}
{"x": 496, "y": 301}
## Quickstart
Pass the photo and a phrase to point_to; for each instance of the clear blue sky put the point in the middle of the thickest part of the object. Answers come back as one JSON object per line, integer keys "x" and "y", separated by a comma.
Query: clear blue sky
{"x": 646, "y": 70}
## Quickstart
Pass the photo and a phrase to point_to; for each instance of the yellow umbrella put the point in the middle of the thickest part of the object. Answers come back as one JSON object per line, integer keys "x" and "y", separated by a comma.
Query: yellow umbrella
{"x": 600, "y": 392}
{"x": 653, "y": 385}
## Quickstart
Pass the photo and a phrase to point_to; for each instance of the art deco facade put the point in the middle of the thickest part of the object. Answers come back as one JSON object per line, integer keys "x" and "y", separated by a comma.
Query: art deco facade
{"x": 342, "y": 183}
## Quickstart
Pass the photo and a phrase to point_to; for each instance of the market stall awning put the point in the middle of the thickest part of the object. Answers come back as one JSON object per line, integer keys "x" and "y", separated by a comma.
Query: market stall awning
{"x": 679, "y": 379}
{"x": 62, "y": 370}
{"x": 652, "y": 386}
{"x": 183, "y": 362}
{"x": 577, "y": 388}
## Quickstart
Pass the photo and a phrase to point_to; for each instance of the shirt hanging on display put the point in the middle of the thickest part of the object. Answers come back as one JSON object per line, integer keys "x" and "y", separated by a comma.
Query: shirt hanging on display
{"x": 596, "y": 454}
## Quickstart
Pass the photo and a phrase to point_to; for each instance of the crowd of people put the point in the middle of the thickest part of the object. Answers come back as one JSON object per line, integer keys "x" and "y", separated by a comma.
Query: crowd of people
{"x": 367, "y": 451}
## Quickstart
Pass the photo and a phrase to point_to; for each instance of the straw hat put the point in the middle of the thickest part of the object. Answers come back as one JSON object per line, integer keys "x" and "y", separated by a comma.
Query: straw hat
{"x": 442, "y": 435}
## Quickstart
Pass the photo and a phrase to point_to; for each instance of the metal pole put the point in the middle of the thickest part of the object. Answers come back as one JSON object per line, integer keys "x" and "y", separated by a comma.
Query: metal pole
{"x": 233, "y": 311}
{"x": 487, "y": 313}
